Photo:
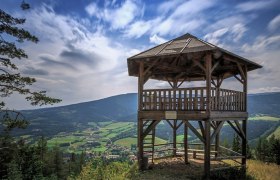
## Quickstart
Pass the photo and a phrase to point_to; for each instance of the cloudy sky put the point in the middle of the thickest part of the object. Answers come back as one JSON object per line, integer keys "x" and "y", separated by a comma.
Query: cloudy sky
{"x": 84, "y": 44}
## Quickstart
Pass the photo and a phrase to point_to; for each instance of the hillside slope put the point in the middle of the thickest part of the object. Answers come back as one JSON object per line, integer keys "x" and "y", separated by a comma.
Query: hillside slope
{"x": 50, "y": 121}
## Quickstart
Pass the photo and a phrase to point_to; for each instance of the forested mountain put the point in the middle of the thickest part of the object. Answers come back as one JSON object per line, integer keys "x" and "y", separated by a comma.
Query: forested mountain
{"x": 50, "y": 121}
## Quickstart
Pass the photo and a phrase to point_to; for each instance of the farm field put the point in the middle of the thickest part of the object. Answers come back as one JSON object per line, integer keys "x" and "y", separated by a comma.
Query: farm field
{"x": 133, "y": 140}
{"x": 93, "y": 139}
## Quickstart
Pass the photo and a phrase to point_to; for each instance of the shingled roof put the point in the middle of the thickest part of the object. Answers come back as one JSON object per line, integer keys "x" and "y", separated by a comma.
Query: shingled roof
{"x": 182, "y": 50}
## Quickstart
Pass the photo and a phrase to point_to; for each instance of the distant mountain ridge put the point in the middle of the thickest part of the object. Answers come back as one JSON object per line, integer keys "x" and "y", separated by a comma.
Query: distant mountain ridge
{"x": 50, "y": 121}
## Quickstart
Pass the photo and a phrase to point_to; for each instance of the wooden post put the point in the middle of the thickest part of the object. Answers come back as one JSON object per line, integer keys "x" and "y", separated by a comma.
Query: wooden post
{"x": 244, "y": 122}
{"x": 186, "y": 143}
{"x": 217, "y": 142}
{"x": 208, "y": 64}
{"x": 217, "y": 138}
{"x": 140, "y": 121}
{"x": 207, "y": 149}
{"x": 174, "y": 138}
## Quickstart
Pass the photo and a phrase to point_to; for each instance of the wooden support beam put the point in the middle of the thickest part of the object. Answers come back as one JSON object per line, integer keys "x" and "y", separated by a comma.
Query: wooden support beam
{"x": 201, "y": 129}
{"x": 208, "y": 62}
{"x": 145, "y": 123}
{"x": 171, "y": 125}
{"x": 195, "y": 131}
{"x": 197, "y": 63}
{"x": 216, "y": 131}
{"x": 240, "y": 129}
{"x": 213, "y": 82}
{"x": 140, "y": 85}
{"x": 140, "y": 144}
{"x": 182, "y": 82}
{"x": 151, "y": 66}
{"x": 244, "y": 122}
{"x": 235, "y": 129}
{"x": 215, "y": 65}
{"x": 213, "y": 125}
{"x": 150, "y": 127}
{"x": 221, "y": 80}
{"x": 240, "y": 80}
{"x": 179, "y": 125}
{"x": 174, "y": 138}
{"x": 170, "y": 84}
{"x": 207, "y": 149}
{"x": 175, "y": 61}
{"x": 186, "y": 143}
{"x": 241, "y": 71}
{"x": 244, "y": 142}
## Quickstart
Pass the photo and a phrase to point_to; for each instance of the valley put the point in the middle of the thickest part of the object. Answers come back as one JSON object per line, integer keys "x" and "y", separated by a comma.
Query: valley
{"x": 78, "y": 127}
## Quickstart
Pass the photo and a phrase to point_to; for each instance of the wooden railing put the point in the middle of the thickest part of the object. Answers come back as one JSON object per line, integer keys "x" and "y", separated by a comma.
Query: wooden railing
{"x": 192, "y": 99}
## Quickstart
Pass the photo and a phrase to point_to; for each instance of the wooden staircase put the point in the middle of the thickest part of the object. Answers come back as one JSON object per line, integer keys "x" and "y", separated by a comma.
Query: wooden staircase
{"x": 148, "y": 144}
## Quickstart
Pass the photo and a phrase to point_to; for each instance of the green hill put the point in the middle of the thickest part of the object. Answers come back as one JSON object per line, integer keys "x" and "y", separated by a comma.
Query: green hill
{"x": 263, "y": 109}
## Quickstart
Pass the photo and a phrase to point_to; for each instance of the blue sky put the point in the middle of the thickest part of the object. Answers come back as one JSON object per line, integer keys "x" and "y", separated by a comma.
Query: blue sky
{"x": 84, "y": 44}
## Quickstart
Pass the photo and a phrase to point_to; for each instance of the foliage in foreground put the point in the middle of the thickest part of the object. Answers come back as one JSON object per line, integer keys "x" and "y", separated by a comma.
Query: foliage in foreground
{"x": 100, "y": 169}
{"x": 232, "y": 173}
{"x": 268, "y": 150}
{"x": 22, "y": 161}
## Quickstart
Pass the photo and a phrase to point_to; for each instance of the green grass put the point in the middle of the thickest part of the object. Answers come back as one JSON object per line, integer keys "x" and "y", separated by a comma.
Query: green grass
{"x": 255, "y": 170}
{"x": 79, "y": 138}
{"x": 264, "y": 118}
{"x": 126, "y": 141}
{"x": 180, "y": 138}
{"x": 119, "y": 125}
{"x": 105, "y": 123}
{"x": 132, "y": 140}
{"x": 65, "y": 139}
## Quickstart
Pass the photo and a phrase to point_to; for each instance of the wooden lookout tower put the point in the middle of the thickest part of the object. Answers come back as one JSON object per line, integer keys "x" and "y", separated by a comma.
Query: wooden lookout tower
{"x": 181, "y": 61}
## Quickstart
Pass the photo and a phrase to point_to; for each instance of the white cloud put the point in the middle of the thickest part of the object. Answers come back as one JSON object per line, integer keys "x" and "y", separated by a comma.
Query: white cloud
{"x": 157, "y": 39}
{"x": 254, "y": 5}
{"x": 82, "y": 64}
{"x": 215, "y": 36}
{"x": 138, "y": 29}
{"x": 117, "y": 16}
{"x": 262, "y": 43}
{"x": 185, "y": 18}
{"x": 168, "y": 6}
{"x": 238, "y": 31}
{"x": 264, "y": 90}
{"x": 274, "y": 23}
{"x": 92, "y": 9}
{"x": 228, "y": 34}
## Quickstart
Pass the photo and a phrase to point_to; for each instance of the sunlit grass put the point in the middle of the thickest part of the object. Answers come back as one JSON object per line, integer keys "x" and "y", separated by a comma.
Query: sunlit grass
{"x": 263, "y": 171}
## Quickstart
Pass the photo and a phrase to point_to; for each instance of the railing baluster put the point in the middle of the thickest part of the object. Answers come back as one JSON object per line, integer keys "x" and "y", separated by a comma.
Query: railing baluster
{"x": 192, "y": 99}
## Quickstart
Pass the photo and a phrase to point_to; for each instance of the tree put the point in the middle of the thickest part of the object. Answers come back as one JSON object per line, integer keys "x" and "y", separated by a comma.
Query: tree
{"x": 236, "y": 144}
{"x": 11, "y": 80}
{"x": 58, "y": 162}
{"x": 276, "y": 150}
{"x": 13, "y": 154}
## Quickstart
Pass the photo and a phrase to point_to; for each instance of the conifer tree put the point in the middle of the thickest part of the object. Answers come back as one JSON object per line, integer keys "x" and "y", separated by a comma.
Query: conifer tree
{"x": 236, "y": 143}
{"x": 14, "y": 154}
